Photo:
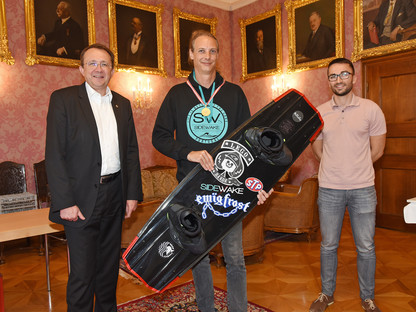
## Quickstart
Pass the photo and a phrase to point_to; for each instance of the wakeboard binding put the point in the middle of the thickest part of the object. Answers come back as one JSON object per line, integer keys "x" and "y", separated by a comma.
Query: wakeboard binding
{"x": 268, "y": 145}
{"x": 186, "y": 229}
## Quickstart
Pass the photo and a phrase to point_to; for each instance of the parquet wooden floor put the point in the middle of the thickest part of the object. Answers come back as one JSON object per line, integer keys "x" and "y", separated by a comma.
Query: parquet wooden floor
{"x": 287, "y": 280}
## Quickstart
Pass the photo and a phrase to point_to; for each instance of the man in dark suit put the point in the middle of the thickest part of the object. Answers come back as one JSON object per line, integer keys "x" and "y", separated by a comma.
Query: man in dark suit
{"x": 261, "y": 57}
{"x": 66, "y": 39}
{"x": 321, "y": 41}
{"x": 393, "y": 17}
{"x": 139, "y": 51}
{"x": 93, "y": 169}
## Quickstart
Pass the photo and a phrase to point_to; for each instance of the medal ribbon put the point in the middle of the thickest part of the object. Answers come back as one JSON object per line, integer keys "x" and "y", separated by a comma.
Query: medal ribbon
{"x": 213, "y": 93}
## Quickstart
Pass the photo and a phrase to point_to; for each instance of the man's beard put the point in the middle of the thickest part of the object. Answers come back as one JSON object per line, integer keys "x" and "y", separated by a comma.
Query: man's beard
{"x": 342, "y": 93}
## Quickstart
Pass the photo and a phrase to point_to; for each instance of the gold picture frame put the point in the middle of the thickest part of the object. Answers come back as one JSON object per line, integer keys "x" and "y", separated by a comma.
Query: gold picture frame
{"x": 39, "y": 17}
{"x": 5, "y": 54}
{"x": 369, "y": 43}
{"x": 147, "y": 57}
{"x": 311, "y": 48}
{"x": 183, "y": 26}
{"x": 261, "y": 44}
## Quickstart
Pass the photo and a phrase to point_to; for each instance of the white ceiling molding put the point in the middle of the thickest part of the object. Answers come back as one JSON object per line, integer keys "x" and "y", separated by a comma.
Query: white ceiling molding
{"x": 228, "y": 5}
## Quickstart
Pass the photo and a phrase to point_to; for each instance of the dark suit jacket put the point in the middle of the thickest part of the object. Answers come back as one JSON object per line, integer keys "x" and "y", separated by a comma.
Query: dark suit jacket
{"x": 68, "y": 35}
{"x": 73, "y": 154}
{"x": 321, "y": 45}
{"x": 144, "y": 55}
{"x": 259, "y": 62}
{"x": 404, "y": 14}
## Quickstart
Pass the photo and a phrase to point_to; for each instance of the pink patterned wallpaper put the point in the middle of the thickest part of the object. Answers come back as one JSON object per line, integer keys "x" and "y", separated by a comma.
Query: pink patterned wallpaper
{"x": 25, "y": 90}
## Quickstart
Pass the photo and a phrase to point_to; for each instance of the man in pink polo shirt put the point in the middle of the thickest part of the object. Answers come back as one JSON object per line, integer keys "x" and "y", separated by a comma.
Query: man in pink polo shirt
{"x": 352, "y": 139}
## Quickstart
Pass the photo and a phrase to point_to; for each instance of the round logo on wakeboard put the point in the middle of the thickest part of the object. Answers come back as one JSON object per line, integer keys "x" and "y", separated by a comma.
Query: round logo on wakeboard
{"x": 231, "y": 166}
{"x": 286, "y": 126}
{"x": 297, "y": 116}
{"x": 254, "y": 184}
{"x": 228, "y": 165}
{"x": 207, "y": 129}
{"x": 166, "y": 250}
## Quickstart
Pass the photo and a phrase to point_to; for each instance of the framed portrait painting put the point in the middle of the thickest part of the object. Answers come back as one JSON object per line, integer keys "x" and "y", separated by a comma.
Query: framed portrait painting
{"x": 184, "y": 24}
{"x": 57, "y": 31}
{"x": 261, "y": 44}
{"x": 5, "y": 54}
{"x": 382, "y": 27}
{"x": 316, "y": 33}
{"x": 136, "y": 36}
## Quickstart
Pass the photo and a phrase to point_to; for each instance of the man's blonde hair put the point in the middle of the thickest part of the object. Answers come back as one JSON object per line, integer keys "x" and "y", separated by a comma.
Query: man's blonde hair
{"x": 196, "y": 34}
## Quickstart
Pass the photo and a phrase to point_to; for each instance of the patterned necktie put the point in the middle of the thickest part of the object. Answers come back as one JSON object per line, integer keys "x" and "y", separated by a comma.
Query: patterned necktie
{"x": 387, "y": 20}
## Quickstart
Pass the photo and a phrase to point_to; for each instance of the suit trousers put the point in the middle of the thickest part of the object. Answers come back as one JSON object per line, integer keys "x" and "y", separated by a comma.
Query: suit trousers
{"x": 94, "y": 251}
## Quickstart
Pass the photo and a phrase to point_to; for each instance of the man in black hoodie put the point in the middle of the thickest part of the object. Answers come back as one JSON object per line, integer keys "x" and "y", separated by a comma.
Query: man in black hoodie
{"x": 192, "y": 120}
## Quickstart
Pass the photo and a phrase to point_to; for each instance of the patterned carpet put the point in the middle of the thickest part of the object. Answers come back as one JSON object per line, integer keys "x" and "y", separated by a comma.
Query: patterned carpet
{"x": 182, "y": 298}
{"x": 179, "y": 299}
{"x": 125, "y": 273}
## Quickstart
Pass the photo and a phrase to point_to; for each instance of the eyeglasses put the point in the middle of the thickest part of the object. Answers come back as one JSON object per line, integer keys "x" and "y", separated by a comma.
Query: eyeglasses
{"x": 95, "y": 64}
{"x": 343, "y": 75}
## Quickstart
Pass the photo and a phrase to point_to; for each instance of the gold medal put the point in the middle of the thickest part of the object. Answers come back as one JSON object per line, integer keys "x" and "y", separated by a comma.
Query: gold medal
{"x": 206, "y": 111}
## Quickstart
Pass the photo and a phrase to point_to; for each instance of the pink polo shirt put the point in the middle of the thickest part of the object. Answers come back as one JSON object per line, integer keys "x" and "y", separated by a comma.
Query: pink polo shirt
{"x": 346, "y": 159}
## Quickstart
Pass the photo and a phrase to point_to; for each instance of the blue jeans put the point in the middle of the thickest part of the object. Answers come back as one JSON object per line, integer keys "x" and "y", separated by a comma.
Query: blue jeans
{"x": 361, "y": 205}
{"x": 232, "y": 247}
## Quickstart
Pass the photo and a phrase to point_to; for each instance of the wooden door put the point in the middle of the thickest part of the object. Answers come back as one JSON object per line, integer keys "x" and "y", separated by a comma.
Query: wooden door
{"x": 391, "y": 82}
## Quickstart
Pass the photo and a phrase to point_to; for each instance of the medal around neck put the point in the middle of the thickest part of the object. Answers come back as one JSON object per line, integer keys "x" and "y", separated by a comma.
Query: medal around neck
{"x": 206, "y": 111}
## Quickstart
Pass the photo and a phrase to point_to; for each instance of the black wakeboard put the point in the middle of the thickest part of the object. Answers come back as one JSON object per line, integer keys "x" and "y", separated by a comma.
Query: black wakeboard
{"x": 204, "y": 207}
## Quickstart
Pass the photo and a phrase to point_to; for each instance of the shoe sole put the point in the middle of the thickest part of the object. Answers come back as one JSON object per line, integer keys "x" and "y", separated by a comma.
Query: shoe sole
{"x": 326, "y": 305}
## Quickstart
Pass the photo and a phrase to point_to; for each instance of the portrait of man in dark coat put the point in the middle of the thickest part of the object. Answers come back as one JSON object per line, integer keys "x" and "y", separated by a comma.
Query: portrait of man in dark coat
{"x": 138, "y": 50}
{"x": 137, "y": 37}
{"x": 260, "y": 57}
{"x": 395, "y": 21}
{"x": 321, "y": 40}
{"x": 66, "y": 39}
{"x": 261, "y": 45}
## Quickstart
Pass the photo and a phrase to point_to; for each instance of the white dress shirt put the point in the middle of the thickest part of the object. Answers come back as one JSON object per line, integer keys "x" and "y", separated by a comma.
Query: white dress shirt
{"x": 135, "y": 42}
{"x": 107, "y": 129}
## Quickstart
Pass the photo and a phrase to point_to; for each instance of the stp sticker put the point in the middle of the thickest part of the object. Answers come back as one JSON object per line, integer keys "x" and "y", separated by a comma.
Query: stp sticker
{"x": 254, "y": 184}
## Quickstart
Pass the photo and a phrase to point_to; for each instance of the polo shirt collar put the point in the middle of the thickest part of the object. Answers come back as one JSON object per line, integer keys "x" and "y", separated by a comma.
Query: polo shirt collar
{"x": 354, "y": 102}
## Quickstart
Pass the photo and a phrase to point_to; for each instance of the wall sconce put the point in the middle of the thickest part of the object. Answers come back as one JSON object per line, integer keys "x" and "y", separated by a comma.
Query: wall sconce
{"x": 279, "y": 85}
{"x": 142, "y": 96}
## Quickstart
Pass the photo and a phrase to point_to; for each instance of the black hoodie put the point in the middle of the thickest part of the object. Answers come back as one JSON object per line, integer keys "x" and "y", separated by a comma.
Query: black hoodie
{"x": 180, "y": 127}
